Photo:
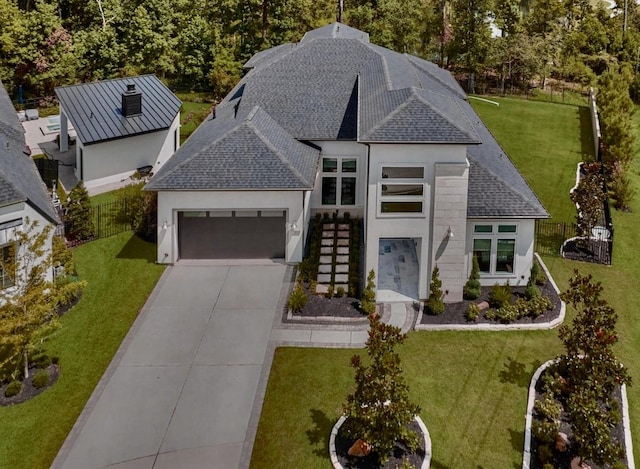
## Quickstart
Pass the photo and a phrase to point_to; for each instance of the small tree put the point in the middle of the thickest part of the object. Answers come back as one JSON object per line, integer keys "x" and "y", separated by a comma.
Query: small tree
{"x": 77, "y": 218}
{"x": 435, "y": 305}
{"x": 379, "y": 409}
{"x": 368, "y": 302}
{"x": 591, "y": 369}
{"x": 28, "y": 311}
{"x": 472, "y": 288}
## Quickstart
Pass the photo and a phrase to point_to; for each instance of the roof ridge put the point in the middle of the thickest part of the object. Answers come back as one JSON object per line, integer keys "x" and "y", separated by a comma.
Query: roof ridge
{"x": 415, "y": 63}
{"x": 222, "y": 136}
{"x": 273, "y": 148}
{"x": 388, "y": 117}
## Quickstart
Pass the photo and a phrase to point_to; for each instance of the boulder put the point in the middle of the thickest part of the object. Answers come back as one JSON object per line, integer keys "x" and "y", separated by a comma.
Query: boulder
{"x": 360, "y": 449}
{"x": 483, "y": 305}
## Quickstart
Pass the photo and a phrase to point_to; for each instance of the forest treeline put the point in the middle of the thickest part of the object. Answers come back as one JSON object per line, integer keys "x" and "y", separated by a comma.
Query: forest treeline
{"x": 202, "y": 44}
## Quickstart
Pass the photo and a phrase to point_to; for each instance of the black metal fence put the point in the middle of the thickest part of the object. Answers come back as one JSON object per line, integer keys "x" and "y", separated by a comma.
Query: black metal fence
{"x": 103, "y": 220}
{"x": 561, "y": 240}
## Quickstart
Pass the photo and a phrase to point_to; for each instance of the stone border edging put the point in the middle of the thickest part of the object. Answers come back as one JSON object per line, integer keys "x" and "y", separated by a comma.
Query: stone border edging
{"x": 505, "y": 327}
{"x": 426, "y": 463}
{"x": 526, "y": 457}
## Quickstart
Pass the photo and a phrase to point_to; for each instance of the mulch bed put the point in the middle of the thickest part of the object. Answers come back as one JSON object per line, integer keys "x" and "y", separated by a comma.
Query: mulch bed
{"x": 454, "y": 313}
{"x": 345, "y": 307}
{"x": 400, "y": 453}
{"x": 28, "y": 389}
{"x": 563, "y": 460}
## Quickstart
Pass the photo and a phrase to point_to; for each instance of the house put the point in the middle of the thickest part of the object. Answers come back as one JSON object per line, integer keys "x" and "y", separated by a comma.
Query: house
{"x": 335, "y": 123}
{"x": 22, "y": 192}
{"x": 121, "y": 125}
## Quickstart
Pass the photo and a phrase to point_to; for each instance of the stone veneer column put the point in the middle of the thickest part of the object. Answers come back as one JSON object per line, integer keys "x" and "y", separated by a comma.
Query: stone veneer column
{"x": 450, "y": 210}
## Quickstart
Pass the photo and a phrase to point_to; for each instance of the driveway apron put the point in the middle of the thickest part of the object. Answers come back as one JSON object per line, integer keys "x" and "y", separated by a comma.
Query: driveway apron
{"x": 180, "y": 391}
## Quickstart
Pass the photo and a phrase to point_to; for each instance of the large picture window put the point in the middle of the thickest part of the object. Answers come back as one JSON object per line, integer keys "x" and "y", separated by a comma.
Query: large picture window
{"x": 401, "y": 190}
{"x": 339, "y": 181}
{"x": 494, "y": 246}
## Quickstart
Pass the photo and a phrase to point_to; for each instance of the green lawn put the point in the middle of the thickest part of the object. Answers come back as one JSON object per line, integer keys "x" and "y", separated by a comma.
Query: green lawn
{"x": 471, "y": 386}
{"x": 120, "y": 273}
{"x": 191, "y": 115}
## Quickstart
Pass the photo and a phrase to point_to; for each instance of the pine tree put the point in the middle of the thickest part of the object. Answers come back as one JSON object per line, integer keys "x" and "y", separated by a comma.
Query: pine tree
{"x": 379, "y": 409}
{"x": 472, "y": 287}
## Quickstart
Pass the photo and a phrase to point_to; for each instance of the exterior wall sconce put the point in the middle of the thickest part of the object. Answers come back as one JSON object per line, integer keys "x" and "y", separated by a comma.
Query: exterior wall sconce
{"x": 293, "y": 226}
{"x": 165, "y": 224}
{"x": 449, "y": 233}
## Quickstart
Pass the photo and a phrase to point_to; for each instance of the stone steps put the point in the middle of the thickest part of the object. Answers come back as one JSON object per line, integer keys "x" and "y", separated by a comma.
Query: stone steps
{"x": 335, "y": 245}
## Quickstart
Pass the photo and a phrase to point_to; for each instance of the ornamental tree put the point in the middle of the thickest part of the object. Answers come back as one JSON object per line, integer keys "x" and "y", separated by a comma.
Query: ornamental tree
{"x": 435, "y": 305}
{"x": 379, "y": 409}
{"x": 28, "y": 309}
{"x": 589, "y": 199}
{"x": 591, "y": 369}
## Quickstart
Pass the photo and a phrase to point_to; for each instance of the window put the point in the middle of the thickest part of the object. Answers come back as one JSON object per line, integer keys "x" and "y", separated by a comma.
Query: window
{"x": 339, "y": 173}
{"x": 6, "y": 265}
{"x": 495, "y": 248}
{"x": 401, "y": 190}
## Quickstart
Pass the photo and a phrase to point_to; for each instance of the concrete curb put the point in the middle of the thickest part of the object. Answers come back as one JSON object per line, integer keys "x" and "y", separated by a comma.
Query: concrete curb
{"x": 526, "y": 458}
{"x": 426, "y": 463}
{"x": 505, "y": 327}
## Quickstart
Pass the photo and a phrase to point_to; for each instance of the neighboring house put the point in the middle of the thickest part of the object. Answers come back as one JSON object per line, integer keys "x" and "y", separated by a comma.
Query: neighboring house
{"x": 121, "y": 125}
{"x": 335, "y": 123}
{"x": 22, "y": 192}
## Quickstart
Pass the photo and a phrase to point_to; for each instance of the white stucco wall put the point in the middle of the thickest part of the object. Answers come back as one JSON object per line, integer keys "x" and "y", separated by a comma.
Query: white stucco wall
{"x": 23, "y": 211}
{"x": 172, "y": 202}
{"x": 115, "y": 160}
{"x": 342, "y": 149}
{"x": 416, "y": 226}
{"x": 524, "y": 246}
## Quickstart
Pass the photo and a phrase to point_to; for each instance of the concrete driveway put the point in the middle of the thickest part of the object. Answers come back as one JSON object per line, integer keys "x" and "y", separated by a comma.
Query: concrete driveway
{"x": 180, "y": 392}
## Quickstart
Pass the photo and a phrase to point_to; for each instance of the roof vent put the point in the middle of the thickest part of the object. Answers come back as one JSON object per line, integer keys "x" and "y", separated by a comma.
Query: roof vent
{"x": 131, "y": 102}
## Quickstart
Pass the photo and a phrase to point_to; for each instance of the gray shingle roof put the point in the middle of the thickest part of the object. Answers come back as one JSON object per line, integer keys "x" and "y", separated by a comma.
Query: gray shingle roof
{"x": 255, "y": 154}
{"x": 94, "y": 109}
{"x": 335, "y": 85}
{"x": 19, "y": 177}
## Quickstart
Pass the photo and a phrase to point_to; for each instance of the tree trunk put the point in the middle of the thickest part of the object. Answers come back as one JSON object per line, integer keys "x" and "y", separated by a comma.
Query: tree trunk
{"x": 25, "y": 354}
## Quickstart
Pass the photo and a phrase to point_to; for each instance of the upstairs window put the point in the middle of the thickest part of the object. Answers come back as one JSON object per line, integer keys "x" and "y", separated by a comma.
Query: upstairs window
{"x": 339, "y": 180}
{"x": 401, "y": 190}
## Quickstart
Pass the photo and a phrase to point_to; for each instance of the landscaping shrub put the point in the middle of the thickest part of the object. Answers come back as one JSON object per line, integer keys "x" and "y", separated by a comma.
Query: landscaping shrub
{"x": 13, "y": 389}
{"x": 537, "y": 274}
{"x": 77, "y": 219}
{"x": 330, "y": 292}
{"x": 435, "y": 305}
{"x": 472, "y": 288}
{"x": 340, "y": 292}
{"x": 368, "y": 301}
{"x": 297, "y": 299}
{"x": 138, "y": 209}
{"x": 531, "y": 291}
{"x": 41, "y": 379}
{"x": 473, "y": 312}
{"x": 306, "y": 270}
{"x": 500, "y": 295}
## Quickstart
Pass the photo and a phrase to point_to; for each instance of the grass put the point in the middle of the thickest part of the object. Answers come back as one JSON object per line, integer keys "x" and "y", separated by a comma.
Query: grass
{"x": 121, "y": 274}
{"x": 191, "y": 115}
{"x": 471, "y": 386}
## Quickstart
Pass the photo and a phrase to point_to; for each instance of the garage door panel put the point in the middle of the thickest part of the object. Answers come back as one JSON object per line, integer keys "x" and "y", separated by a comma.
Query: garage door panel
{"x": 237, "y": 237}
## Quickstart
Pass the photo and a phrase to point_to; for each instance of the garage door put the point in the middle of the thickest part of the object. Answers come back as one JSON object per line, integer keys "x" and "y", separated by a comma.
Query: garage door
{"x": 231, "y": 234}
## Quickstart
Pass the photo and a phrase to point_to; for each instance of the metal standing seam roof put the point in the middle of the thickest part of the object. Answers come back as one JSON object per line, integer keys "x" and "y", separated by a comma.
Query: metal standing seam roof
{"x": 19, "y": 177}
{"x": 335, "y": 85}
{"x": 94, "y": 109}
